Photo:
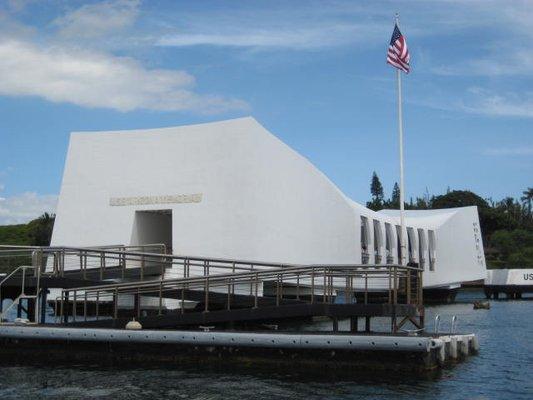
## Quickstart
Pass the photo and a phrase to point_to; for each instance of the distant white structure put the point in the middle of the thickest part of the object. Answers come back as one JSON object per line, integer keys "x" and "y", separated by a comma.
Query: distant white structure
{"x": 231, "y": 189}
{"x": 509, "y": 277}
{"x": 513, "y": 282}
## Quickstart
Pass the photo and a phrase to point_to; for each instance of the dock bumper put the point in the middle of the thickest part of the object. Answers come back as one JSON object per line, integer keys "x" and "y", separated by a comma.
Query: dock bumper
{"x": 454, "y": 348}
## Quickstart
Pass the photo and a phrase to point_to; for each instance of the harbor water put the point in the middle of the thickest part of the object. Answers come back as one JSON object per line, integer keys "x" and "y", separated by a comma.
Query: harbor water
{"x": 503, "y": 369}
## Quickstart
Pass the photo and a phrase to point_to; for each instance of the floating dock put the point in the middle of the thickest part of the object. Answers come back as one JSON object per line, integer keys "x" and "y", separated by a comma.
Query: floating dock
{"x": 341, "y": 350}
{"x": 217, "y": 310}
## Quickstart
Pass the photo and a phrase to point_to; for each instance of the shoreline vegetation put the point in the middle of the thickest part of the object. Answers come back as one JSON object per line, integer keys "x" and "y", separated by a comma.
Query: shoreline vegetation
{"x": 506, "y": 225}
{"x": 37, "y": 232}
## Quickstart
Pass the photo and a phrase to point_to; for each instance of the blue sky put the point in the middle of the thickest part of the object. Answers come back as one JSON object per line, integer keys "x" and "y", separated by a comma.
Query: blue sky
{"x": 312, "y": 72}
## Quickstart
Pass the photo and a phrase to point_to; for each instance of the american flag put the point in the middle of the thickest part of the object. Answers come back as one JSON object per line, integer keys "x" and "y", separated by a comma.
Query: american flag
{"x": 398, "y": 54}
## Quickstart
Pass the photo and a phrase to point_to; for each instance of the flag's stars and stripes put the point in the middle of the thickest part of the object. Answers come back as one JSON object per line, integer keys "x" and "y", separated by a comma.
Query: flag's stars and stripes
{"x": 398, "y": 54}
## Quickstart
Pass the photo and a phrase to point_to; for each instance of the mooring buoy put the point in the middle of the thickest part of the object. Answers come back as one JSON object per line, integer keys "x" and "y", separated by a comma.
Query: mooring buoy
{"x": 133, "y": 325}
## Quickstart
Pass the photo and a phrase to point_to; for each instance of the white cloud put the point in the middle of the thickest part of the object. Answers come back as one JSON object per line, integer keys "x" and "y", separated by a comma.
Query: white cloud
{"x": 476, "y": 100}
{"x": 519, "y": 16}
{"x": 509, "y": 151}
{"x": 505, "y": 49}
{"x": 303, "y": 38}
{"x": 277, "y": 25}
{"x": 58, "y": 72}
{"x": 10, "y": 28}
{"x": 97, "y": 79}
{"x": 320, "y": 24}
{"x": 482, "y": 101}
{"x": 25, "y": 207}
{"x": 98, "y": 19}
{"x": 509, "y": 62}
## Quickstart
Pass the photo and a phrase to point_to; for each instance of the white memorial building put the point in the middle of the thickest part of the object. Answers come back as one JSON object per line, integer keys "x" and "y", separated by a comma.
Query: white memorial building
{"x": 231, "y": 189}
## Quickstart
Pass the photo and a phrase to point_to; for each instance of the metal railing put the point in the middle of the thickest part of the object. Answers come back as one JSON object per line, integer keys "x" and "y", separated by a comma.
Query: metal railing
{"x": 57, "y": 261}
{"x": 23, "y": 295}
{"x": 62, "y": 261}
{"x": 437, "y": 324}
{"x": 453, "y": 328}
{"x": 309, "y": 284}
{"x": 453, "y": 325}
{"x": 177, "y": 275}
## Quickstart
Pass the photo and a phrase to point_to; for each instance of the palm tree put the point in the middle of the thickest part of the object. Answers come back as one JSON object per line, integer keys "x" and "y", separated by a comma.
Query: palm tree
{"x": 40, "y": 230}
{"x": 527, "y": 198}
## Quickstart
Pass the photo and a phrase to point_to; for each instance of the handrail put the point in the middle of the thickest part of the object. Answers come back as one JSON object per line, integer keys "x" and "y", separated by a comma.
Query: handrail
{"x": 172, "y": 257}
{"x": 14, "y": 246}
{"x": 437, "y": 323}
{"x": 186, "y": 257}
{"x": 406, "y": 267}
{"x": 124, "y": 257}
{"x": 268, "y": 272}
{"x": 209, "y": 274}
{"x": 57, "y": 256}
{"x": 454, "y": 324}
{"x": 14, "y": 272}
{"x": 15, "y": 302}
{"x": 323, "y": 281}
{"x": 9, "y": 276}
{"x": 136, "y": 253}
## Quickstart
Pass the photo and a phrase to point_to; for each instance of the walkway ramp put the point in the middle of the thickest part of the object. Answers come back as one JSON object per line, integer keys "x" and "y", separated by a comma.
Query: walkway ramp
{"x": 109, "y": 286}
{"x": 327, "y": 291}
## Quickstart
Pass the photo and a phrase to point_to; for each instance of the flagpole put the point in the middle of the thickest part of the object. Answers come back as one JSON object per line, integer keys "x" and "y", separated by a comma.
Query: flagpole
{"x": 400, "y": 136}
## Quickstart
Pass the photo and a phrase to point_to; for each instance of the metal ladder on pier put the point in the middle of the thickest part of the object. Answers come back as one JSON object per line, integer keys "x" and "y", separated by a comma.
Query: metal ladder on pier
{"x": 453, "y": 325}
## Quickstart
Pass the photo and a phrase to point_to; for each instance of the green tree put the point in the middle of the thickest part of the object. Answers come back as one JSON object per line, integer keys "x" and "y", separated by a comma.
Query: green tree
{"x": 527, "y": 199}
{"x": 459, "y": 198}
{"x": 503, "y": 242}
{"x": 376, "y": 190}
{"x": 15, "y": 235}
{"x": 511, "y": 212}
{"x": 522, "y": 237}
{"x": 35, "y": 233}
{"x": 490, "y": 219}
{"x": 519, "y": 260}
{"x": 40, "y": 230}
{"x": 395, "y": 197}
